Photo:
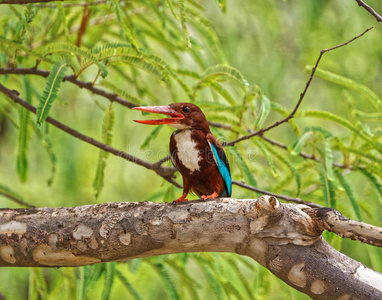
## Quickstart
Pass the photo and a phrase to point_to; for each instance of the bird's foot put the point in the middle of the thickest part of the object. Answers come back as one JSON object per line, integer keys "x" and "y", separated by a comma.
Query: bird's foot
{"x": 214, "y": 195}
{"x": 180, "y": 199}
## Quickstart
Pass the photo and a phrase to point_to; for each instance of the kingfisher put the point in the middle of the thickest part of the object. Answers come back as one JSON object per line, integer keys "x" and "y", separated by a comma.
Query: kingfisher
{"x": 195, "y": 152}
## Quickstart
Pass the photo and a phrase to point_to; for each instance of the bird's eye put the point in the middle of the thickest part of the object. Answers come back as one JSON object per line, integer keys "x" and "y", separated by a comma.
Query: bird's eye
{"x": 186, "y": 109}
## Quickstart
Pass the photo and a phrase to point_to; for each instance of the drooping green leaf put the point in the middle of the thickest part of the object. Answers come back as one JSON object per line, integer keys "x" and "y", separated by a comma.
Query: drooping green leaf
{"x": 150, "y": 137}
{"x": 263, "y": 113}
{"x": 327, "y": 186}
{"x": 349, "y": 192}
{"x": 110, "y": 269}
{"x": 374, "y": 181}
{"x": 73, "y": 50}
{"x": 124, "y": 26}
{"x": 328, "y": 161}
{"x": 183, "y": 23}
{"x": 168, "y": 283}
{"x": 63, "y": 19}
{"x": 107, "y": 128}
{"x": 267, "y": 155}
{"x": 350, "y": 84}
{"x": 24, "y": 135}
{"x": 52, "y": 86}
{"x": 240, "y": 162}
{"x": 111, "y": 86}
{"x": 133, "y": 292}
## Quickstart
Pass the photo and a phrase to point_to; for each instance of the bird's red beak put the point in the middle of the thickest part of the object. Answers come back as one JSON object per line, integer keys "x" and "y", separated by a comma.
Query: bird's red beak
{"x": 166, "y": 110}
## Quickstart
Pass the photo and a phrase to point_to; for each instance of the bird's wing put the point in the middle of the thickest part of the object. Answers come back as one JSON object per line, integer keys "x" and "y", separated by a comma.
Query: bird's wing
{"x": 221, "y": 161}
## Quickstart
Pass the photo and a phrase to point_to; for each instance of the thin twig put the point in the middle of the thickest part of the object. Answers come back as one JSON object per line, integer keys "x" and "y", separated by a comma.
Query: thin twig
{"x": 166, "y": 172}
{"x": 71, "y": 78}
{"x": 370, "y": 10}
{"x": 17, "y": 200}
{"x": 286, "y": 198}
{"x": 291, "y": 115}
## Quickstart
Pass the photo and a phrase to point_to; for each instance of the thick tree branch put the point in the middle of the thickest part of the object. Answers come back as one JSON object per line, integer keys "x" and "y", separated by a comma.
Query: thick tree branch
{"x": 370, "y": 10}
{"x": 302, "y": 95}
{"x": 282, "y": 237}
{"x": 166, "y": 172}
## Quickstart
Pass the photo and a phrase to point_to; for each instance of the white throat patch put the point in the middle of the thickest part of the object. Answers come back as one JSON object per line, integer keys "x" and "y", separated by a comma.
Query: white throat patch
{"x": 188, "y": 154}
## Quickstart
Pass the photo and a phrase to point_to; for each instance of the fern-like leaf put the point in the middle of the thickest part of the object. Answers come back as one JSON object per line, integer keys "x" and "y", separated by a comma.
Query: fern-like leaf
{"x": 239, "y": 161}
{"x": 374, "y": 181}
{"x": 327, "y": 188}
{"x": 350, "y": 84}
{"x": 344, "y": 183}
{"x": 108, "y": 280}
{"x": 52, "y": 87}
{"x": 183, "y": 23}
{"x": 133, "y": 292}
{"x": 24, "y": 135}
{"x": 263, "y": 113}
{"x": 107, "y": 127}
{"x": 111, "y": 86}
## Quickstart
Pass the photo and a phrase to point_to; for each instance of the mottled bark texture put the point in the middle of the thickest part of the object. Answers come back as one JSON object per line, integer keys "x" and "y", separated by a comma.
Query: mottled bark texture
{"x": 285, "y": 238}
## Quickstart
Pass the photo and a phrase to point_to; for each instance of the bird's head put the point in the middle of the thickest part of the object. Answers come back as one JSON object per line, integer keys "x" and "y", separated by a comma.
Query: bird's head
{"x": 183, "y": 116}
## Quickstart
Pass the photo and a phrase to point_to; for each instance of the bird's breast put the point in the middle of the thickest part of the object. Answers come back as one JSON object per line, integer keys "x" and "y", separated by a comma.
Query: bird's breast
{"x": 184, "y": 150}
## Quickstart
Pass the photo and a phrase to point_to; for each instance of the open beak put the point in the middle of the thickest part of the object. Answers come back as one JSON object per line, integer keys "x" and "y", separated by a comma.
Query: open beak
{"x": 166, "y": 110}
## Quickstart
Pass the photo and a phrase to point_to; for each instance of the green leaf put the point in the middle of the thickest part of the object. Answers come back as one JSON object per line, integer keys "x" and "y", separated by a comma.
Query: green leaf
{"x": 267, "y": 155}
{"x": 107, "y": 128}
{"x": 332, "y": 117}
{"x": 289, "y": 165}
{"x": 150, "y": 137}
{"x": 110, "y": 269}
{"x": 327, "y": 188}
{"x": 73, "y": 50}
{"x": 240, "y": 162}
{"x": 183, "y": 23}
{"x": 124, "y": 27}
{"x": 263, "y": 113}
{"x": 24, "y": 135}
{"x": 52, "y": 87}
{"x": 169, "y": 286}
{"x": 111, "y": 86}
{"x": 63, "y": 19}
{"x": 133, "y": 292}
{"x": 350, "y": 84}
{"x": 374, "y": 181}
{"x": 328, "y": 161}
{"x": 347, "y": 187}
{"x": 223, "y": 73}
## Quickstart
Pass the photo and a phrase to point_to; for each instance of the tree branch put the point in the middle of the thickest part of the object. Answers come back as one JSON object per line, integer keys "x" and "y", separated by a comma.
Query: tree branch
{"x": 166, "y": 172}
{"x": 302, "y": 95}
{"x": 282, "y": 237}
{"x": 370, "y": 10}
{"x": 71, "y": 78}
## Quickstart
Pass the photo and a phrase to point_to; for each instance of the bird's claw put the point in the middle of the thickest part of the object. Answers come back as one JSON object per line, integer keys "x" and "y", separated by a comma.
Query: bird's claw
{"x": 213, "y": 195}
{"x": 180, "y": 199}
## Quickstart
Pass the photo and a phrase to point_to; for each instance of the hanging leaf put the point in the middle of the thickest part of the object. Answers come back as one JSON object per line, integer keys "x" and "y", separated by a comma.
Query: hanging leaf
{"x": 110, "y": 269}
{"x": 239, "y": 161}
{"x": 183, "y": 23}
{"x": 24, "y": 135}
{"x": 111, "y": 86}
{"x": 374, "y": 181}
{"x": 52, "y": 87}
{"x": 263, "y": 113}
{"x": 327, "y": 188}
{"x": 350, "y": 84}
{"x": 328, "y": 161}
{"x": 107, "y": 128}
{"x": 133, "y": 292}
{"x": 349, "y": 193}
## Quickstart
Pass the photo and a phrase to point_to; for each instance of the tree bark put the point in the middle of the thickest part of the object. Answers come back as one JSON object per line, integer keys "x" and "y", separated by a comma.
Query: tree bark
{"x": 284, "y": 238}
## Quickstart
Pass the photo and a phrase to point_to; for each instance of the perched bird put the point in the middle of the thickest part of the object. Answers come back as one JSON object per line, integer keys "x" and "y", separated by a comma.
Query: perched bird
{"x": 195, "y": 152}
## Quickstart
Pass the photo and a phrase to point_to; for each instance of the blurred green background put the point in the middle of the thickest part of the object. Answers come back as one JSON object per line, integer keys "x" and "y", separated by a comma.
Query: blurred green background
{"x": 270, "y": 43}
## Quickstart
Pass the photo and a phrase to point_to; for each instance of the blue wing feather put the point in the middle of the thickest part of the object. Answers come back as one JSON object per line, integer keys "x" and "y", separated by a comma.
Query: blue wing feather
{"x": 223, "y": 166}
